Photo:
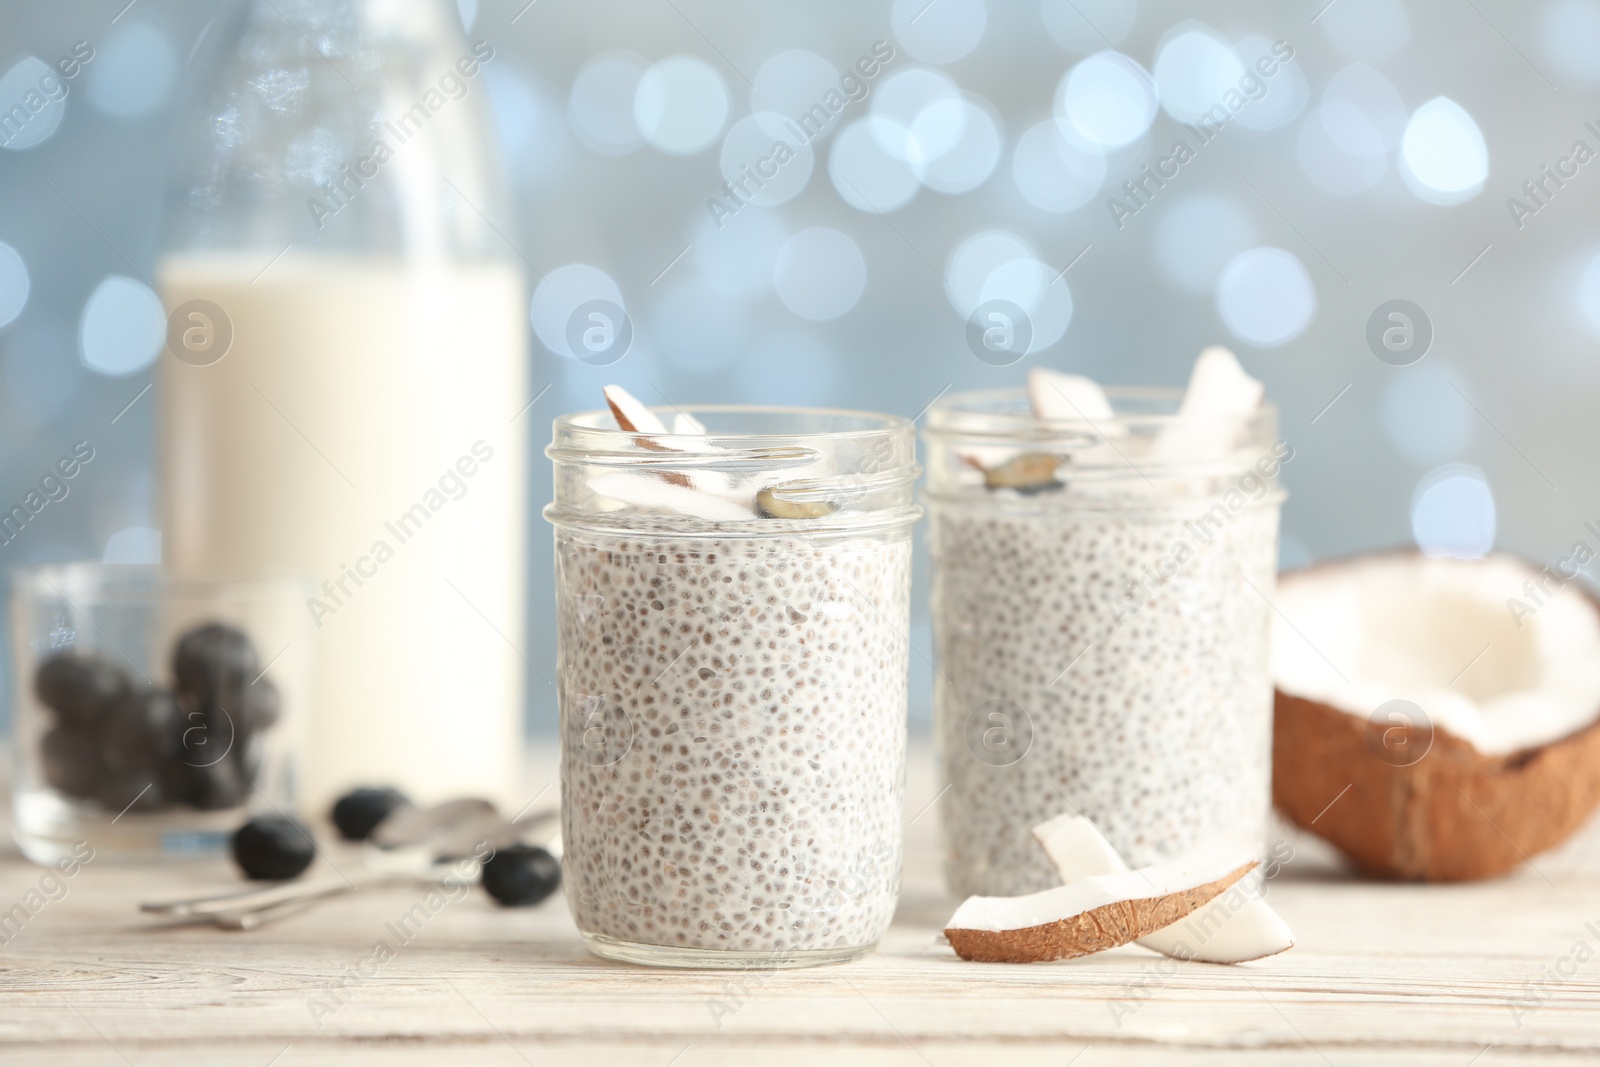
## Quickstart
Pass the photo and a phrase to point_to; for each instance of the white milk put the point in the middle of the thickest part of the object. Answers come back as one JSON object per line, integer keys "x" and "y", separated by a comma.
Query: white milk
{"x": 363, "y": 433}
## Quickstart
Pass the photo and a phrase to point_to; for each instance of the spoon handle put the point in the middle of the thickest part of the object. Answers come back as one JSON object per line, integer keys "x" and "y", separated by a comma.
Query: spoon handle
{"x": 260, "y": 896}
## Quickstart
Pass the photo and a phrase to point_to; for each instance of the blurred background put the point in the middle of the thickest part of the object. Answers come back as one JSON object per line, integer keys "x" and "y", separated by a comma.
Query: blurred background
{"x": 1434, "y": 153}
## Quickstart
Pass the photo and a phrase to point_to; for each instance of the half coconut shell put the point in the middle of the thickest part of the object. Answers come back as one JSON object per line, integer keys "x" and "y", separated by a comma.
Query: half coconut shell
{"x": 1466, "y": 801}
{"x": 1456, "y": 815}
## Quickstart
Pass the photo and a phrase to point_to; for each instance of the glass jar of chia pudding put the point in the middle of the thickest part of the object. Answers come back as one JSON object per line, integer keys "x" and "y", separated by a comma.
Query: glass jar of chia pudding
{"x": 732, "y": 604}
{"x": 1102, "y": 621}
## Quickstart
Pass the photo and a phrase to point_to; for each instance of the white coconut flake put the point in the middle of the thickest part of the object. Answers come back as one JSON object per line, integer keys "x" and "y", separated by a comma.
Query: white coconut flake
{"x": 654, "y": 494}
{"x": 630, "y": 413}
{"x": 1068, "y": 398}
{"x": 1236, "y": 927}
{"x": 1464, "y": 641}
{"x": 1214, "y": 859}
{"x": 1219, "y": 400}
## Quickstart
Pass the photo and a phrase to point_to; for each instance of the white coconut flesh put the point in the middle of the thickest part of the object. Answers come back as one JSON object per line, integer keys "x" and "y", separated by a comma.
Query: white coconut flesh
{"x": 1210, "y": 861}
{"x": 1465, "y": 641}
{"x": 1237, "y": 927}
{"x": 695, "y": 492}
{"x": 1212, "y": 419}
{"x": 1062, "y": 397}
{"x": 1211, "y": 422}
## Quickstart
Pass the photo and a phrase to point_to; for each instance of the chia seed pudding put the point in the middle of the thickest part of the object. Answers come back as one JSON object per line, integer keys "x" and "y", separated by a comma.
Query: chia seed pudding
{"x": 1103, "y": 648}
{"x": 733, "y": 723}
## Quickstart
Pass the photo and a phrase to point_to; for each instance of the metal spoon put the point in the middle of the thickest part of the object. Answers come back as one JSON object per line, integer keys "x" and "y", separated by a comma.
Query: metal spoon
{"x": 412, "y": 844}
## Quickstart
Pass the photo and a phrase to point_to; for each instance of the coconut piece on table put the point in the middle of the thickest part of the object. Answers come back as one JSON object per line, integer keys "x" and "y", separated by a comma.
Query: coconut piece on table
{"x": 1094, "y": 914}
{"x": 1455, "y": 716}
{"x": 1227, "y": 930}
{"x": 1212, "y": 415}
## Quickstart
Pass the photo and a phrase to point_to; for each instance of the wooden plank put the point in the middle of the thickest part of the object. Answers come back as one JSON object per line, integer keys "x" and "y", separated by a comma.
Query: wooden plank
{"x": 1382, "y": 973}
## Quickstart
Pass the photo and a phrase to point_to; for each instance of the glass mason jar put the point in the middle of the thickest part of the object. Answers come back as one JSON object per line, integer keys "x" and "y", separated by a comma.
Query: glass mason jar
{"x": 150, "y": 714}
{"x": 1102, "y": 627}
{"x": 732, "y": 685}
{"x": 347, "y": 350}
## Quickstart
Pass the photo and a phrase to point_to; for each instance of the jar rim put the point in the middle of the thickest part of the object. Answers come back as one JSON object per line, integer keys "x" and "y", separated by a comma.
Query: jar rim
{"x": 600, "y": 423}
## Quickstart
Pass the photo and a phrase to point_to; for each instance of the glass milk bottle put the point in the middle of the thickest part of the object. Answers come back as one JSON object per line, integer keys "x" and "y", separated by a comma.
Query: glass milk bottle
{"x": 346, "y": 363}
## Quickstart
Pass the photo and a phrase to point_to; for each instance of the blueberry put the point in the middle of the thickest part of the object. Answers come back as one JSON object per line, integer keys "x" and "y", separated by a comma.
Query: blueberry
{"x": 271, "y": 846}
{"x": 79, "y": 686}
{"x": 208, "y": 787}
{"x": 259, "y": 706}
{"x": 520, "y": 876}
{"x": 204, "y": 734}
{"x": 214, "y": 663}
{"x": 71, "y": 761}
{"x": 129, "y": 791}
{"x": 358, "y": 812}
{"x": 139, "y": 729}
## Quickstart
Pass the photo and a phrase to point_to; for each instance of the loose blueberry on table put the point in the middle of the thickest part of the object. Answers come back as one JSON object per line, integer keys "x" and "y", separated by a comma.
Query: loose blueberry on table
{"x": 273, "y": 847}
{"x": 358, "y": 812}
{"x": 520, "y": 876}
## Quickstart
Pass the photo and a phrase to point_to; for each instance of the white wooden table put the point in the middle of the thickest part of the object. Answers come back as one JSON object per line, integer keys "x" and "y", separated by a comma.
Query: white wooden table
{"x": 1387, "y": 974}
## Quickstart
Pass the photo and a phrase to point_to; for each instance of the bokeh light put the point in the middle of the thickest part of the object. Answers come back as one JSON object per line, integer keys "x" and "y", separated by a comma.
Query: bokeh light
{"x": 903, "y": 97}
{"x": 975, "y": 259}
{"x": 999, "y": 265}
{"x": 1287, "y": 91}
{"x": 528, "y": 124}
{"x": 1197, "y": 236}
{"x": 1569, "y": 37}
{"x": 867, "y": 176}
{"x": 1039, "y": 290}
{"x": 132, "y": 71}
{"x": 1052, "y": 174}
{"x": 820, "y": 273}
{"x": 122, "y": 327}
{"x": 600, "y": 106}
{"x": 1329, "y": 167}
{"x": 680, "y": 105}
{"x": 1366, "y": 29}
{"x": 1107, "y": 98}
{"x": 1453, "y": 513}
{"x": 560, "y": 293}
{"x": 792, "y": 83}
{"x": 1084, "y": 26}
{"x": 938, "y": 31}
{"x": 1589, "y": 294}
{"x": 765, "y": 158}
{"x": 26, "y": 93}
{"x": 1193, "y": 71}
{"x": 1265, "y": 297}
{"x": 1345, "y": 143}
{"x": 14, "y": 284}
{"x": 1425, "y": 415}
{"x": 1362, "y": 111}
{"x": 972, "y": 154}
{"x": 1443, "y": 156}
